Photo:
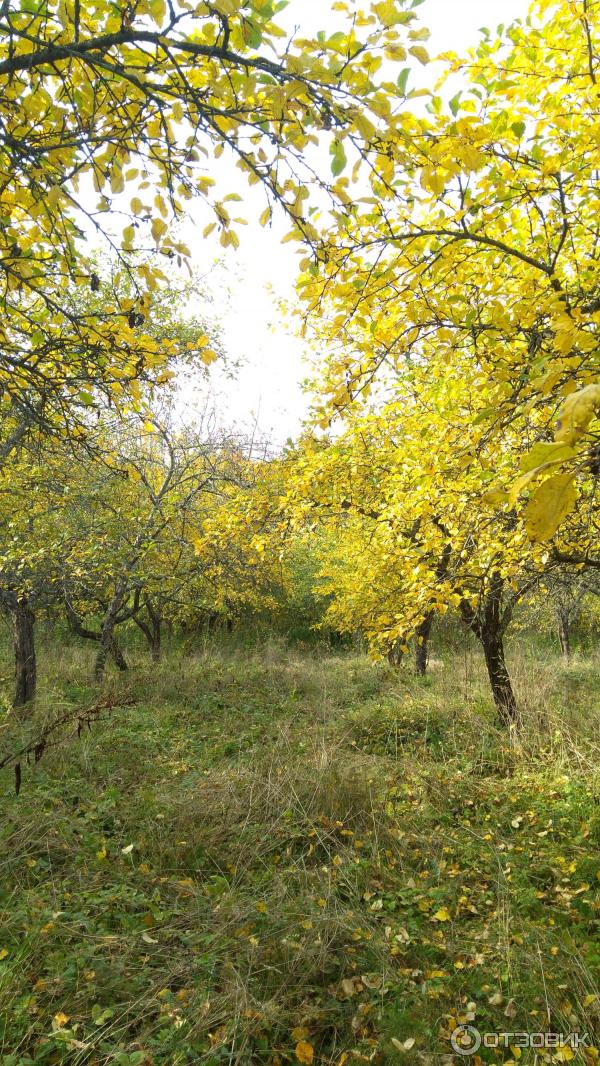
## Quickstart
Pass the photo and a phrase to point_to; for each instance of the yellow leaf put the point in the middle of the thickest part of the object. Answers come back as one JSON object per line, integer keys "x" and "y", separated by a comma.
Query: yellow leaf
{"x": 117, "y": 182}
{"x": 364, "y": 126}
{"x": 546, "y": 452}
{"x": 551, "y": 503}
{"x": 443, "y": 915}
{"x": 305, "y": 1052}
{"x": 420, "y": 53}
{"x": 159, "y": 228}
{"x": 60, "y": 1020}
{"x": 208, "y": 356}
{"x": 577, "y": 414}
{"x": 4, "y": 953}
{"x": 564, "y": 1054}
{"x": 395, "y": 52}
{"x": 53, "y": 195}
{"x": 495, "y": 497}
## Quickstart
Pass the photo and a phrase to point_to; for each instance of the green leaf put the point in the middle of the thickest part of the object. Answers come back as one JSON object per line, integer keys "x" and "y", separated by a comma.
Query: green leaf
{"x": 339, "y": 159}
{"x": 402, "y": 81}
{"x": 455, "y": 103}
{"x": 518, "y": 128}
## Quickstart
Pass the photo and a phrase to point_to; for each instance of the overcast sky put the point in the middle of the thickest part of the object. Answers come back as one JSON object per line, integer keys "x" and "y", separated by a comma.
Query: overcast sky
{"x": 267, "y": 388}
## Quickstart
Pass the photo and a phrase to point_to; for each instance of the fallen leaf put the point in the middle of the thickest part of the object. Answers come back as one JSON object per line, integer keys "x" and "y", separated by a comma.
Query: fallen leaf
{"x": 443, "y": 915}
{"x": 305, "y": 1052}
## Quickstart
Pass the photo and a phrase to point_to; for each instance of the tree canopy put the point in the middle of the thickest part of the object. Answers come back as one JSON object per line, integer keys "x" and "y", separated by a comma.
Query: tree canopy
{"x": 485, "y": 257}
{"x": 112, "y": 120}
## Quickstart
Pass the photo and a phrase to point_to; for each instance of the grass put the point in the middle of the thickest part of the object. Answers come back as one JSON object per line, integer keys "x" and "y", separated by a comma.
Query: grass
{"x": 261, "y": 855}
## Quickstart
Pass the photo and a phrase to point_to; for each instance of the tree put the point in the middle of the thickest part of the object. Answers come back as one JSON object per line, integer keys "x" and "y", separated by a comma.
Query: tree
{"x": 486, "y": 254}
{"x": 565, "y": 592}
{"x": 410, "y": 539}
{"x": 128, "y": 550}
{"x": 31, "y": 512}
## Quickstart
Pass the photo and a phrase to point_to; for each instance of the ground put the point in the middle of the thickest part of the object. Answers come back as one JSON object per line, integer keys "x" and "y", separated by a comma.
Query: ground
{"x": 276, "y": 855}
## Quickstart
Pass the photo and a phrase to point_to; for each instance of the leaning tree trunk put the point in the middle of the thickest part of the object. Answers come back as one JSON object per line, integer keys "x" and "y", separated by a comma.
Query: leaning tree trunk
{"x": 564, "y": 635}
{"x": 108, "y": 646}
{"x": 25, "y": 665}
{"x": 422, "y": 636}
{"x": 111, "y": 646}
{"x": 502, "y": 690}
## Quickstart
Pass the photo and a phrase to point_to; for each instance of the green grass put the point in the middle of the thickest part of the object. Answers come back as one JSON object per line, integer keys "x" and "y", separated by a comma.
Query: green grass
{"x": 262, "y": 848}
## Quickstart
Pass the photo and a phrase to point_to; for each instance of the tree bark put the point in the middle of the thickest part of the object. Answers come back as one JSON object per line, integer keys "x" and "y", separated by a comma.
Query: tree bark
{"x": 156, "y": 644}
{"x": 24, "y": 644}
{"x": 112, "y": 646}
{"x": 502, "y": 691}
{"x": 117, "y": 654}
{"x": 564, "y": 634}
{"x": 107, "y": 635}
{"x": 422, "y": 636}
{"x": 489, "y": 624}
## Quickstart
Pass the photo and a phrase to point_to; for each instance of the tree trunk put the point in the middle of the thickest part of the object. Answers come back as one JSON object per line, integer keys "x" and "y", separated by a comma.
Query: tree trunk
{"x": 152, "y": 630}
{"x": 502, "y": 691}
{"x": 25, "y": 665}
{"x": 396, "y": 654}
{"x": 156, "y": 645}
{"x": 564, "y": 635}
{"x": 489, "y": 625}
{"x": 422, "y": 636}
{"x": 117, "y": 654}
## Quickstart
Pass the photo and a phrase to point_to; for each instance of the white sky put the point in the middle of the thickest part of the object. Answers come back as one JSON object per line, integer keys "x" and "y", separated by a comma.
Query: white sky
{"x": 267, "y": 388}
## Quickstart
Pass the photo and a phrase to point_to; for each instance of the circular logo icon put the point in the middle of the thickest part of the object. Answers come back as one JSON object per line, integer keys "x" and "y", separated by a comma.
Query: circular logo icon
{"x": 466, "y": 1040}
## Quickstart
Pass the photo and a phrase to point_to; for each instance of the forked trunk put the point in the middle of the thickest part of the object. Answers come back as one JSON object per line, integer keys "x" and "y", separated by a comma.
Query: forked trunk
{"x": 25, "y": 665}
{"x": 108, "y": 646}
{"x": 151, "y": 627}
